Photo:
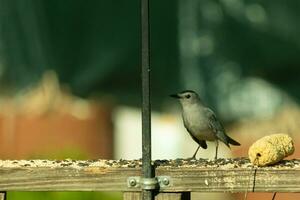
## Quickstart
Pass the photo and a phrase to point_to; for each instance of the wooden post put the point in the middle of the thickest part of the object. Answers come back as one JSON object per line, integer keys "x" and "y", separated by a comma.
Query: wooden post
{"x": 132, "y": 195}
{"x": 159, "y": 196}
{"x": 173, "y": 196}
{"x": 2, "y": 195}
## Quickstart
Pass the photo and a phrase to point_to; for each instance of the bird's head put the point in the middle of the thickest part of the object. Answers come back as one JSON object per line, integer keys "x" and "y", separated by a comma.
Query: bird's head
{"x": 187, "y": 97}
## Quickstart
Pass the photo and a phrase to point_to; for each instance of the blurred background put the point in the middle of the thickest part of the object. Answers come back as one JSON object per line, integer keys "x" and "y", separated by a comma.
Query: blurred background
{"x": 70, "y": 84}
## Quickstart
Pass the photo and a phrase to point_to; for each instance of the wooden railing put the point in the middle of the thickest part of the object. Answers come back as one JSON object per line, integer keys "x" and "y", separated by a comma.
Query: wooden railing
{"x": 182, "y": 176}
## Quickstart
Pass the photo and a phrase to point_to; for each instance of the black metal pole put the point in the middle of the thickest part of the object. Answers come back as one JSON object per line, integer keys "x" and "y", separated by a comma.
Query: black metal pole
{"x": 146, "y": 104}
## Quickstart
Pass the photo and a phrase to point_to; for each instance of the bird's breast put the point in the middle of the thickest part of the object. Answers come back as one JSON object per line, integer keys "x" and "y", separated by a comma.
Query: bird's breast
{"x": 198, "y": 125}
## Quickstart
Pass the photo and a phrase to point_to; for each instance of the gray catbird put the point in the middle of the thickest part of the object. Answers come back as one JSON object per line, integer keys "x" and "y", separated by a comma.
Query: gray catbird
{"x": 201, "y": 122}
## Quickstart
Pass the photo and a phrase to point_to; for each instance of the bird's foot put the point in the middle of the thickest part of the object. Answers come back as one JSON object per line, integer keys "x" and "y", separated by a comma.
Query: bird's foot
{"x": 192, "y": 158}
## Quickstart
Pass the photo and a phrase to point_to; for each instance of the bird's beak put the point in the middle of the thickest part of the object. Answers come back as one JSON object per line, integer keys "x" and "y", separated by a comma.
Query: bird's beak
{"x": 175, "y": 96}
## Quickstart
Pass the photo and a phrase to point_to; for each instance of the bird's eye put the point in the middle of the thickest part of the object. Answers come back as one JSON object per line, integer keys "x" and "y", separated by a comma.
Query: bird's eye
{"x": 187, "y": 96}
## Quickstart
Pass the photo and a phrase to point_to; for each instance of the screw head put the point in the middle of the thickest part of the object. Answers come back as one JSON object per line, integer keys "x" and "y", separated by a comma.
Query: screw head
{"x": 165, "y": 181}
{"x": 132, "y": 182}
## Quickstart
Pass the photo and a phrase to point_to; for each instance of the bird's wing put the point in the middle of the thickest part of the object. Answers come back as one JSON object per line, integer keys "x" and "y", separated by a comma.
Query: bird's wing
{"x": 216, "y": 126}
{"x": 202, "y": 143}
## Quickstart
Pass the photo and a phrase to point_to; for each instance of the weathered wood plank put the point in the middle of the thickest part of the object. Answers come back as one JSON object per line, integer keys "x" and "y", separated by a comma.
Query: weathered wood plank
{"x": 224, "y": 175}
{"x": 65, "y": 175}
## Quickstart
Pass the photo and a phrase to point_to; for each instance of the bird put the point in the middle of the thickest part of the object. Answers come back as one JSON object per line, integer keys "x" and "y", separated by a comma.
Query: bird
{"x": 201, "y": 122}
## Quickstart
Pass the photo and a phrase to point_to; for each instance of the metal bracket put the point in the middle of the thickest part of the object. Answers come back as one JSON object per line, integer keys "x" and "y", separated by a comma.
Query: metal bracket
{"x": 149, "y": 183}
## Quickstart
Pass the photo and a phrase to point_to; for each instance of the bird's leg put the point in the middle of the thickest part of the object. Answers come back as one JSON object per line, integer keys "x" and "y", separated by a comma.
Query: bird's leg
{"x": 194, "y": 156}
{"x": 217, "y": 146}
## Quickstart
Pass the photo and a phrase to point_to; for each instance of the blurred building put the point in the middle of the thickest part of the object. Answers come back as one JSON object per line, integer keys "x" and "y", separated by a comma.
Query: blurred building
{"x": 47, "y": 122}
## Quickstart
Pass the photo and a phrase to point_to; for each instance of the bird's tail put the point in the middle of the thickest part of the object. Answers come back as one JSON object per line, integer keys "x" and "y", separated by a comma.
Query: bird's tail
{"x": 233, "y": 142}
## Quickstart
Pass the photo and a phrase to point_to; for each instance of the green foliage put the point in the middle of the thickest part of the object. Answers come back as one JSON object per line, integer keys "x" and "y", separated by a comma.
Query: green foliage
{"x": 65, "y": 153}
{"x": 64, "y": 195}
{"x": 94, "y": 46}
